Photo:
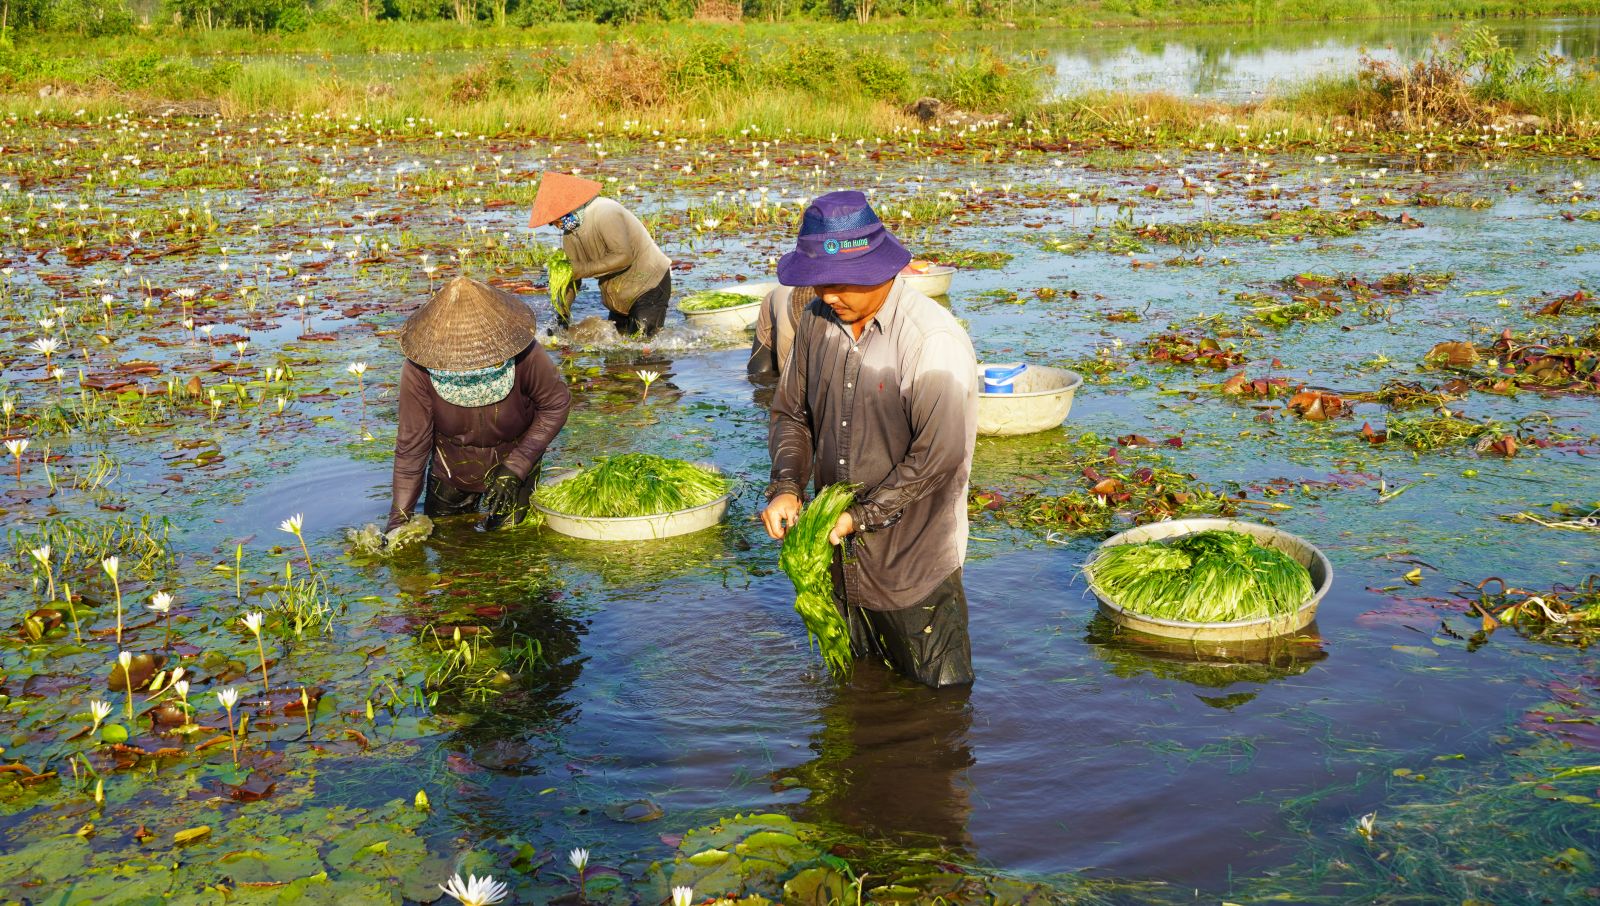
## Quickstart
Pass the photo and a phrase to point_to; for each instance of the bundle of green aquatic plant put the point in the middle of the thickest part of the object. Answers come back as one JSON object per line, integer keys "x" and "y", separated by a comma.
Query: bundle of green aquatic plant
{"x": 634, "y": 484}
{"x": 1207, "y": 577}
{"x": 559, "y": 271}
{"x": 807, "y": 558}
{"x": 714, "y": 299}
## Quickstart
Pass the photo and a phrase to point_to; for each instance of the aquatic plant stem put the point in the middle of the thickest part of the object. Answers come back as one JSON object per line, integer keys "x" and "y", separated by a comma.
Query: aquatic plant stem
{"x": 305, "y": 709}
{"x": 66, "y": 592}
{"x": 262, "y": 651}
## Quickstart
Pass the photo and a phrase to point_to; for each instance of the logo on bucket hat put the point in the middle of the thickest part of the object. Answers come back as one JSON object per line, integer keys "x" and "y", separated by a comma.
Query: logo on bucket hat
{"x": 831, "y": 247}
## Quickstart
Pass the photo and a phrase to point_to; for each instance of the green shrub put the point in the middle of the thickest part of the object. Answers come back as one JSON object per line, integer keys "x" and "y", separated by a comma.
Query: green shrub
{"x": 883, "y": 77}
{"x": 702, "y": 66}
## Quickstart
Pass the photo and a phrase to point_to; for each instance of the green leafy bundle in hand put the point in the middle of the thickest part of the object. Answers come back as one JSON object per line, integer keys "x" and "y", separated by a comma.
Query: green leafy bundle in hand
{"x": 559, "y": 271}
{"x": 807, "y": 558}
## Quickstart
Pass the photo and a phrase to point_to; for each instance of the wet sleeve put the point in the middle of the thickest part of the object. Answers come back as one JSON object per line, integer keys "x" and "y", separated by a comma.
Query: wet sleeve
{"x": 540, "y": 380}
{"x": 789, "y": 437}
{"x": 413, "y": 442}
{"x": 942, "y": 413}
{"x": 610, "y": 226}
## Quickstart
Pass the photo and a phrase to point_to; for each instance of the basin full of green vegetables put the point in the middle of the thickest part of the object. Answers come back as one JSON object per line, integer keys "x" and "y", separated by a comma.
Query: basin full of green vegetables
{"x": 1211, "y": 579}
{"x": 634, "y": 497}
{"x": 728, "y": 308}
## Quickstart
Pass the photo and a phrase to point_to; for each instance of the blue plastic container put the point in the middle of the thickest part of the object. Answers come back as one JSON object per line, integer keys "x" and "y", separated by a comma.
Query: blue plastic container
{"x": 1000, "y": 378}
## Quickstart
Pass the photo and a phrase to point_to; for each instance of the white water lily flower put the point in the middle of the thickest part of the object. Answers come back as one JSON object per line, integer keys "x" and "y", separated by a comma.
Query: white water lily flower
{"x": 98, "y": 710}
{"x": 649, "y": 377}
{"x": 356, "y": 368}
{"x": 1366, "y": 825}
{"x": 252, "y": 622}
{"x": 228, "y": 697}
{"x": 125, "y": 661}
{"x": 475, "y": 891}
{"x": 293, "y": 524}
{"x": 17, "y": 447}
{"x": 160, "y": 602}
{"x": 45, "y": 345}
{"x": 682, "y": 896}
{"x": 579, "y": 858}
{"x": 42, "y": 554}
{"x": 110, "y": 565}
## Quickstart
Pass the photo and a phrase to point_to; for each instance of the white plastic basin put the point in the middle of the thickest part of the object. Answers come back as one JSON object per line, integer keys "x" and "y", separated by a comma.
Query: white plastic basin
{"x": 935, "y": 281}
{"x": 735, "y": 317}
{"x": 1040, "y": 400}
{"x": 632, "y": 528}
{"x": 1266, "y": 627}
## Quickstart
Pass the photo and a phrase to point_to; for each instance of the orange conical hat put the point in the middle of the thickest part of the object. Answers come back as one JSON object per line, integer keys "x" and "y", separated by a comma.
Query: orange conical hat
{"x": 561, "y": 194}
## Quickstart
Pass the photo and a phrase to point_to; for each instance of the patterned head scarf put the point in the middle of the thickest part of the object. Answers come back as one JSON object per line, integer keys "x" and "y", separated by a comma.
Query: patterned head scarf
{"x": 480, "y": 387}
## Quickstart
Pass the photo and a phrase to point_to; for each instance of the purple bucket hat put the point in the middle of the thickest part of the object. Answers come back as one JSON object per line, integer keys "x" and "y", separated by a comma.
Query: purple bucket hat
{"x": 842, "y": 241}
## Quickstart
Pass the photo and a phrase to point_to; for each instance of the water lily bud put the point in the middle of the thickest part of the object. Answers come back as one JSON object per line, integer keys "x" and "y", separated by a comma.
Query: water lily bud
{"x": 421, "y": 802}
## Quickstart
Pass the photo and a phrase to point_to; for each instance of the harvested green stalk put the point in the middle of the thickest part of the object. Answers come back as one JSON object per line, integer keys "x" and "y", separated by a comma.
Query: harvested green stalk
{"x": 1207, "y": 577}
{"x": 634, "y": 484}
{"x": 713, "y": 300}
{"x": 559, "y": 271}
{"x": 807, "y": 558}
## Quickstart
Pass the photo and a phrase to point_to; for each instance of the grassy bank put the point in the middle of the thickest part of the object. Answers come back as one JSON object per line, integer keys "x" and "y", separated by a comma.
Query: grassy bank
{"x": 721, "y": 82}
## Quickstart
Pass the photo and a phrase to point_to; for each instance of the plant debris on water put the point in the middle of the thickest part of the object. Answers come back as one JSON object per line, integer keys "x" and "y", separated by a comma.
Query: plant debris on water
{"x": 633, "y": 484}
{"x": 1205, "y": 577}
{"x": 807, "y": 559}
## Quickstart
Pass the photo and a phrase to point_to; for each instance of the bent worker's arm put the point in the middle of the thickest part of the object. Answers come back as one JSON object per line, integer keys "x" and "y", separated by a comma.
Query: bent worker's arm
{"x": 413, "y": 442}
{"x": 763, "y": 347}
{"x": 609, "y": 227}
{"x": 943, "y": 415}
{"x": 538, "y": 378}
{"x": 789, "y": 437}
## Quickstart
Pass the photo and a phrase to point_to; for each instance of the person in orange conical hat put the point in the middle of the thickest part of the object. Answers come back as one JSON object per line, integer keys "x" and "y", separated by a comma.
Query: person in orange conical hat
{"x": 603, "y": 240}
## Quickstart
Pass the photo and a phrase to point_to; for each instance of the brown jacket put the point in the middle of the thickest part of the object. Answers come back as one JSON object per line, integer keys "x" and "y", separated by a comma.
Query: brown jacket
{"x": 462, "y": 444}
{"x": 613, "y": 246}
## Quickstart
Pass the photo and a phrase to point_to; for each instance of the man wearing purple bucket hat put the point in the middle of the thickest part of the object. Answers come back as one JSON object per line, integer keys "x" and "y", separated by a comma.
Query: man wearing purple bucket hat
{"x": 880, "y": 392}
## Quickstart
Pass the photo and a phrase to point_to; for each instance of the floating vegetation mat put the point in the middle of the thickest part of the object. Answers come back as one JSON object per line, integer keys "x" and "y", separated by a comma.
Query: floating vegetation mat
{"x": 713, "y": 300}
{"x": 632, "y": 485}
{"x": 1207, "y": 577}
{"x": 807, "y": 559}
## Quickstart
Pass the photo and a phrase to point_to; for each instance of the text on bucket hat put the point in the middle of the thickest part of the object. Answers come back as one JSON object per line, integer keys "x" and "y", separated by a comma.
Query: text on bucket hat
{"x": 842, "y": 241}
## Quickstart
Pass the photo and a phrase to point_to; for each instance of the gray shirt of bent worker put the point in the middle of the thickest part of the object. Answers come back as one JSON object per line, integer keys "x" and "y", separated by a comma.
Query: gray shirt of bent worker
{"x": 896, "y": 413}
{"x": 613, "y": 246}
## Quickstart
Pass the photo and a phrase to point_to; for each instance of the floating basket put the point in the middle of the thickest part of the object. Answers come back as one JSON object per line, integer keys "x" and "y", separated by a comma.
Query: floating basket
{"x": 1040, "y": 399}
{"x": 1264, "y": 628}
{"x": 632, "y": 528}
{"x": 734, "y": 317}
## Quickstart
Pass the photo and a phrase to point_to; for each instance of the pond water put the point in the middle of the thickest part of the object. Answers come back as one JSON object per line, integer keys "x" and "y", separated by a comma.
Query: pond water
{"x": 676, "y": 673}
{"x": 1227, "y": 62}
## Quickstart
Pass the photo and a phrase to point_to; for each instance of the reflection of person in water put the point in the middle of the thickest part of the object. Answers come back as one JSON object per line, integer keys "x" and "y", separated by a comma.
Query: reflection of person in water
{"x": 892, "y": 765}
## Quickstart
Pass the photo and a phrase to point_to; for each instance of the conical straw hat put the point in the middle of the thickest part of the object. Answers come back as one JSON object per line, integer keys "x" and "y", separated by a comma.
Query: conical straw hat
{"x": 466, "y": 326}
{"x": 561, "y": 194}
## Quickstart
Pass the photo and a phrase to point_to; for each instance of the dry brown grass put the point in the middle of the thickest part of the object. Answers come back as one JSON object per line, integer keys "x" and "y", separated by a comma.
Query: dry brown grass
{"x": 622, "y": 77}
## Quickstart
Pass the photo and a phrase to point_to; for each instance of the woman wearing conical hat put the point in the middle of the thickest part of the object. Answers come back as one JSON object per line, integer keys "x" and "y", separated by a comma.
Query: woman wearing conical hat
{"x": 605, "y": 241}
{"x": 480, "y": 402}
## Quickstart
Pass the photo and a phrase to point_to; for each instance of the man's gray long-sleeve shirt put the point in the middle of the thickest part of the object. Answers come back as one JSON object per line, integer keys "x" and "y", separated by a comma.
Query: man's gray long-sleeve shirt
{"x": 895, "y": 413}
